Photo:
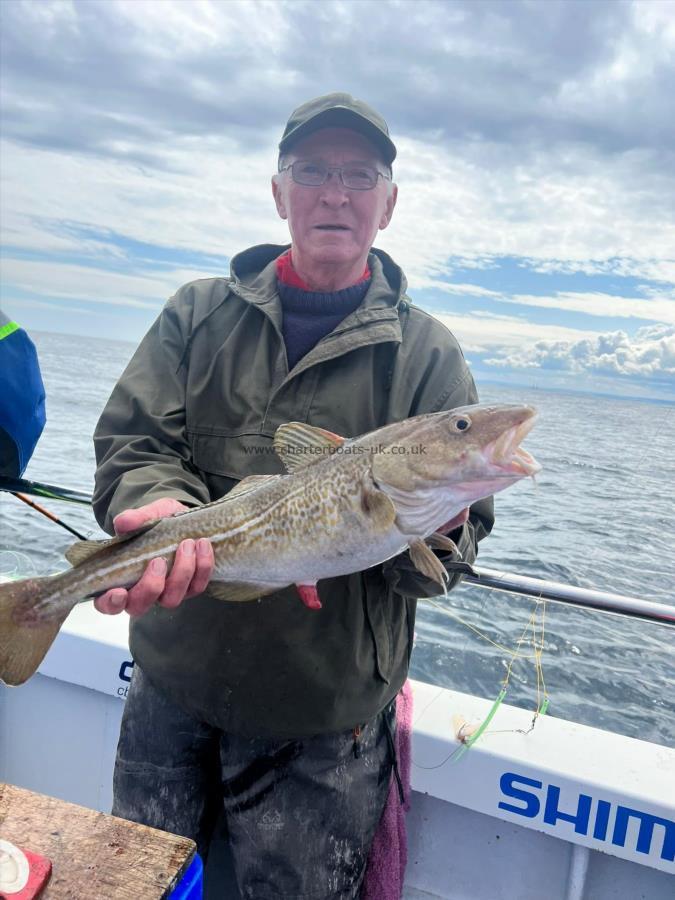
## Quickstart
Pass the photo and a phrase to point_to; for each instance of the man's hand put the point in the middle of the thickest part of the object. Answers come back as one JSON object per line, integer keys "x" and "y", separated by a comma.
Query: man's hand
{"x": 190, "y": 573}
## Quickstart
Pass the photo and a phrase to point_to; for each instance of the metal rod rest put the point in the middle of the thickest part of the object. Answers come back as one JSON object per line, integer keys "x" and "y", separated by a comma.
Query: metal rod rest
{"x": 588, "y": 598}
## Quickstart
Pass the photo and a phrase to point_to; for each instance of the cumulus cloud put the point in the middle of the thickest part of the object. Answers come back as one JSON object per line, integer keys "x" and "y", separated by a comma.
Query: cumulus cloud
{"x": 532, "y": 130}
{"x": 541, "y": 132}
{"x": 568, "y": 71}
{"x": 657, "y": 306}
{"x": 654, "y": 269}
{"x": 480, "y": 331}
{"x": 209, "y": 199}
{"x": 649, "y": 354}
{"x": 90, "y": 284}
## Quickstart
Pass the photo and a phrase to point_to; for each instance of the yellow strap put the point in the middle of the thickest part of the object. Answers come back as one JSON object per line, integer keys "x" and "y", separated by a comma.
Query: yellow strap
{"x": 9, "y": 328}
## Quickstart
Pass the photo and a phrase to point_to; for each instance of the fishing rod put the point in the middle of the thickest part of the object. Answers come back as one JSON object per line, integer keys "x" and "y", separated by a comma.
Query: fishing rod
{"x": 48, "y": 514}
{"x": 20, "y": 487}
{"x": 512, "y": 583}
{"x": 38, "y": 489}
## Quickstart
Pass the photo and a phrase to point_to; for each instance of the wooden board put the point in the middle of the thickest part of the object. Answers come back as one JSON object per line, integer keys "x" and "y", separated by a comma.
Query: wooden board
{"x": 94, "y": 856}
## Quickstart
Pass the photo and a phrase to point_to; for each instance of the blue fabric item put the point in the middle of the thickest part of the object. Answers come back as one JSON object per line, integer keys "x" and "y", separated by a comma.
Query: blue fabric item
{"x": 22, "y": 401}
{"x": 191, "y": 885}
{"x": 310, "y": 315}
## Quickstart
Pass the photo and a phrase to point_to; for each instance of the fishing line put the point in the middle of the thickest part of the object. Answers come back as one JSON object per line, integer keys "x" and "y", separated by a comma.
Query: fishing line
{"x": 638, "y": 465}
{"x": 14, "y": 564}
{"x": 449, "y": 612}
{"x": 542, "y": 694}
{"x": 538, "y": 641}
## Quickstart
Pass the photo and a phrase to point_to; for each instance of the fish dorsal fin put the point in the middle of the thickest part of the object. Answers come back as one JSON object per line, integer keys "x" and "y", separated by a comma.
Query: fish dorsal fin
{"x": 299, "y": 445}
{"x": 81, "y": 551}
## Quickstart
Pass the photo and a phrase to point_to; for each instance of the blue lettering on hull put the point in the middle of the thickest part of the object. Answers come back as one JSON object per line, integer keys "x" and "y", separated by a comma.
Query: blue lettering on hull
{"x": 589, "y": 814}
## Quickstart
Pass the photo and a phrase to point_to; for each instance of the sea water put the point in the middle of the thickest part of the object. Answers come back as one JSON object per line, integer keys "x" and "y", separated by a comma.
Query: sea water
{"x": 601, "y": 514}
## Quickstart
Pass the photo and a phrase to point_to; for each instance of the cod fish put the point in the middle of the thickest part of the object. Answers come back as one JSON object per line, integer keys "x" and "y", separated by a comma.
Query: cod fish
{"x": 343, "y": 506}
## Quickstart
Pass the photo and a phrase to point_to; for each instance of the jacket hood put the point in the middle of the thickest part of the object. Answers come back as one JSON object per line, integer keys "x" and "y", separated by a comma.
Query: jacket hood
{"x": 254, "y": 275}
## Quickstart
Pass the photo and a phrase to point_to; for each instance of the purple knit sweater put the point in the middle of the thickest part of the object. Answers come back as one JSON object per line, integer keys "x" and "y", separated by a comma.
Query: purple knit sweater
{"x": 310, "y": 315}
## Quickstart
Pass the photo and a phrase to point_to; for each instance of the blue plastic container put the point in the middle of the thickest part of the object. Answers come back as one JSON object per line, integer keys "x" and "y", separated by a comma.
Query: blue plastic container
{"x": 191, "y": 885}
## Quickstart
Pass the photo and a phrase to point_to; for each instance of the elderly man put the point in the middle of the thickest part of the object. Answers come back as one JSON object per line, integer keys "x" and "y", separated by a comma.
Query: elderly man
{"x": 280, "y": 714}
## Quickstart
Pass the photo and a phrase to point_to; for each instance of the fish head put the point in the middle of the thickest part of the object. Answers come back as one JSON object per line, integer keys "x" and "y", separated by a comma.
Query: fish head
{"x": 468, "y": 453}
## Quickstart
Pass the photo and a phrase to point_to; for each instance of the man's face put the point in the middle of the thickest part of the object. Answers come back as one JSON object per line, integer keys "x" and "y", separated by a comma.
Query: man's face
{"x": 332, "y": 224}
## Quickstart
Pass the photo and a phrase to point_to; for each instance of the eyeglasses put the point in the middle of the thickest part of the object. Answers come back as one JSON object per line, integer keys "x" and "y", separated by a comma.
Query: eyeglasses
{"x": 353, "y": 176}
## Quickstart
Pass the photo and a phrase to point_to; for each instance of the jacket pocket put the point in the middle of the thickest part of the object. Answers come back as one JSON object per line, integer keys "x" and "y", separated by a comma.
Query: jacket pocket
{"x": 378, "y": 615}
{"x": 224, "y": 459}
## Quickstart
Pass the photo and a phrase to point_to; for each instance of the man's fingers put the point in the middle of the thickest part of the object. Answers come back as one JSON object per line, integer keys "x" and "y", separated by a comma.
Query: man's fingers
{"x": 182, "y": 573}
{"x": 112, "y": 602}
{"x": 204, "y": 568}
{"x": 148, "y": 589}
{"x": 191, "y": 572}
{"x": 131, "y": 519}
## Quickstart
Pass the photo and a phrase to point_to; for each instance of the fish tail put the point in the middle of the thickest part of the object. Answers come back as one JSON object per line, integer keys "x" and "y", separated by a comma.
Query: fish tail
{"x": 28, "y": 626}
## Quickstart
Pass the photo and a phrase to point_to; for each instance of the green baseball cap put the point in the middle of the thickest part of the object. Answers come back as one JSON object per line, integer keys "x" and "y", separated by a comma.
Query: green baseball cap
{"x": 338, "y": 111}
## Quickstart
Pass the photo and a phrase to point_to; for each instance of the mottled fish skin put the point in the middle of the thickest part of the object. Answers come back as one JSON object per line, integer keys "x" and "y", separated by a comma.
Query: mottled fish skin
{"x": 296, "y": 528}
{"x": 348, "y": 505}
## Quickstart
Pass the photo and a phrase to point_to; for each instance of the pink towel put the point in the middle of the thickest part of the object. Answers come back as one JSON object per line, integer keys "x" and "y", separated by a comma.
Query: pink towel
{"x": 385, "y": 870}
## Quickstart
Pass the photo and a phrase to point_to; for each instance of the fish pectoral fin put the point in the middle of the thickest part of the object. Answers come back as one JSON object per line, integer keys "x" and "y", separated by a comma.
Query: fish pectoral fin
{"x": 378, "y": 506}
{"x": 298, "y": 444}
{"x": 81, "y": 551}
{"x": 428, "y": 563}
{"x": 236, "y": 591}
{"x": 438, "y": 541}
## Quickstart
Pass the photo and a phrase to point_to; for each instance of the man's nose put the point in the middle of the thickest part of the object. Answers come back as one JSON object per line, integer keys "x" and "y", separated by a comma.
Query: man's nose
{"x": 333, "y": 191}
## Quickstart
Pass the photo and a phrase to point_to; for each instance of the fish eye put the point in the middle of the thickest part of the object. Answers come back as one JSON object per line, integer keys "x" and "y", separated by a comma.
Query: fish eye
{"x": 462, "y": 423}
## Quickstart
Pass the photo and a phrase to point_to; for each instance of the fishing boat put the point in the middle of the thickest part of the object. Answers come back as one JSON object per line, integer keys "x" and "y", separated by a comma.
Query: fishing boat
{"x": 560, "y": 811}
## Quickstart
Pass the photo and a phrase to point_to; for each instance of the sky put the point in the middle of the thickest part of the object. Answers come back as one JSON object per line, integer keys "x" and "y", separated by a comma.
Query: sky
{"x": 536, "y": 164}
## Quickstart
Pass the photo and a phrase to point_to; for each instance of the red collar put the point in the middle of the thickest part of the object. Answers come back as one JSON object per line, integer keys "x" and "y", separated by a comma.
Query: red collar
{"x": 287, "y": 274}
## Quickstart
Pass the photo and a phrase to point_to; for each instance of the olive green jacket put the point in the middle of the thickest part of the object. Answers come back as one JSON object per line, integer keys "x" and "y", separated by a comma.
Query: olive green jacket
{"x": 196, "y": 411}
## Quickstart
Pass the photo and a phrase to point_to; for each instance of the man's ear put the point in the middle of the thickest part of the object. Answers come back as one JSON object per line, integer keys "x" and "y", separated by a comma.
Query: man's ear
{"x": 389, "y": 207}
{"x": 278, "y": 198}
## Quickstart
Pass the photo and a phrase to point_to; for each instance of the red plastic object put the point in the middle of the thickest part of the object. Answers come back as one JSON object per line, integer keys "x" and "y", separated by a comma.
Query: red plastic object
{"x": 39, "y": 870}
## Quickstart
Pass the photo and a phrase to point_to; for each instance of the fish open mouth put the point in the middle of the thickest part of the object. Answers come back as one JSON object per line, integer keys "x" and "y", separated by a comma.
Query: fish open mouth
{"x": 511, "y": 458}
